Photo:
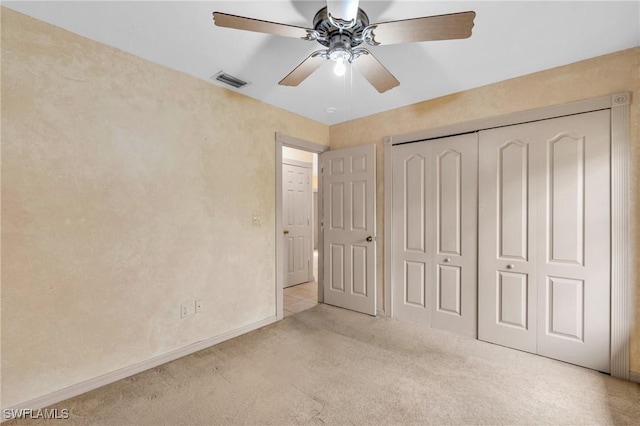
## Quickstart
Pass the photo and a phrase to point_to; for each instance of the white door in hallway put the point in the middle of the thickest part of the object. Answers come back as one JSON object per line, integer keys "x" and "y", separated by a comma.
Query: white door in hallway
{"x": 296, "y": 209}
{"x": 434, "y": 257}
{"x": 544, "y": 266}
{"x": 348, "y": 223}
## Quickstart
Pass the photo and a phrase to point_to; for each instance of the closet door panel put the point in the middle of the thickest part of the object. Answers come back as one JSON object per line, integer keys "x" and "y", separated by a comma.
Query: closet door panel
{"x": 506, "y": 257}
{"x": 544, "y": 237}
{"x": 453, "y": 175}
{"x": 411, "y": 253}
{"x": 574, "y": 247}
{"x": 434, "y": 260}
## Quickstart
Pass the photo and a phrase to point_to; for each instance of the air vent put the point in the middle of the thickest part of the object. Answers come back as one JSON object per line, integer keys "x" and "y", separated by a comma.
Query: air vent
{"x": 230, "y": 80}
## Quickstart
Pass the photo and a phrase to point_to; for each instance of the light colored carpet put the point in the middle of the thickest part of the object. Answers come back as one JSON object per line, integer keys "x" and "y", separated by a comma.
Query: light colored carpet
{"x": 329, "y": 365}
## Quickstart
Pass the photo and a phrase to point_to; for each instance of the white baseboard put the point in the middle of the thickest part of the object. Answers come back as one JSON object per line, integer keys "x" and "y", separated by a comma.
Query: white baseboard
{"x": 114, "y": 376}
{"x": 634, "y": 376}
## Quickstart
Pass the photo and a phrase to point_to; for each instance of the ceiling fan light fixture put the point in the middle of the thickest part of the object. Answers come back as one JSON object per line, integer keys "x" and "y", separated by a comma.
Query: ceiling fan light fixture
{"x": 339, "y": 69}
{"x": 340, "y": 55}
{"x": 341, "y": 27}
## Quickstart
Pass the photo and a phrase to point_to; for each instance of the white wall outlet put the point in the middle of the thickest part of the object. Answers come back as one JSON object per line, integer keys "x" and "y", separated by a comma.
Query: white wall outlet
{"x": 198, "y": 306}
{"x": 185, "y": 309}
{"x": 256, "y": 220}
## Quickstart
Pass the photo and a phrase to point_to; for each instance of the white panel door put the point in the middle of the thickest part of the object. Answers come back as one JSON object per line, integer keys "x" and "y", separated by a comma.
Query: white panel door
{"x": 349, "y": 188}
{"x": 296, "y": 209}
{"x": 434, "y": 245}
{"x": 544, "y": 274}
{"x": 507, "y": 291}
{"x": 574, "y": 240}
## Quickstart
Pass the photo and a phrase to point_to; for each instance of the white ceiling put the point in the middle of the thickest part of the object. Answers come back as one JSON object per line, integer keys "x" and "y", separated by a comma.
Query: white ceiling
{"x": 509, "y": 39}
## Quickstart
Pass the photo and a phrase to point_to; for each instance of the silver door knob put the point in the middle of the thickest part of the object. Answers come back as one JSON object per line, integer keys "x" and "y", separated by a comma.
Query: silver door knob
{"x": 369, "y": 238}
{"x": 510, "y": 266}
{"x": 447, "y": 260}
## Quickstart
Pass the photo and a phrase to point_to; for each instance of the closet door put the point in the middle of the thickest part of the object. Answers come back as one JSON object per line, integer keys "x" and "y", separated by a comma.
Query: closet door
{"x": 434, "y": 266}
{"x": 411, "y": 252}
{"x": 574, "y": 239}
{"x": 453, "y": 233}
{"x": 506, "y": 239}
{"x": 544, "y": 217}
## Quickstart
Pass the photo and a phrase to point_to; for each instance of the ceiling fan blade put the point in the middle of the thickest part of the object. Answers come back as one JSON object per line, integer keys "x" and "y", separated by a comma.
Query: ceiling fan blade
{"x": 304, "y": 70}
{"x": 428, "y": 28}
{"x": 375, "y": 72}
{"x": 259, "y": 26}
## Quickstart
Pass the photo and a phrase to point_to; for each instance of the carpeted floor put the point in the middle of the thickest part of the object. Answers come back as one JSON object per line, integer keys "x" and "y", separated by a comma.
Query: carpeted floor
{"x": 329, "y": 365}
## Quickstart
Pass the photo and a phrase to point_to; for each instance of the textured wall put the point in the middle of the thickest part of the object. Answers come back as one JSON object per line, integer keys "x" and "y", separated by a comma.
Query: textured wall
{"x": 127, "y": 188}
{"x": 595, "y": 77}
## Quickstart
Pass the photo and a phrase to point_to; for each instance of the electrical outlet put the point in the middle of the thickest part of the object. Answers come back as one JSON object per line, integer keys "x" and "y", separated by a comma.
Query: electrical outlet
{"x": 198, "y": 306}
{"x": 185, "y": 309}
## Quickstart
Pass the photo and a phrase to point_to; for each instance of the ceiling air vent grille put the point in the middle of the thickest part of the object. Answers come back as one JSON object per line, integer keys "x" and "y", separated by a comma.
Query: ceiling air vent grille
{"x": 230, "y": 80}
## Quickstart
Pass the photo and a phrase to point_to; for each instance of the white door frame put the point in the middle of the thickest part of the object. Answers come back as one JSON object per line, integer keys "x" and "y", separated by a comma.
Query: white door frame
{"x": 316, "y": 148}
{"x": 618, "y": 104}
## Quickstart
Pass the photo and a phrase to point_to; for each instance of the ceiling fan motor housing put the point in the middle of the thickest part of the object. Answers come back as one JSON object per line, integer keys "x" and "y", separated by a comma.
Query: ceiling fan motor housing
{"x": 340, "y": 41}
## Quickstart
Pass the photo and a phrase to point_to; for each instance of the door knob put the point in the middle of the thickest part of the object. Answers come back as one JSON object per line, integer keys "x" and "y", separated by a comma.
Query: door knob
{"x": 510, "y": 266}
{"x": 447, "y": 260}
{"x": 286, "y": 232}
{"x": 369, "y": 238}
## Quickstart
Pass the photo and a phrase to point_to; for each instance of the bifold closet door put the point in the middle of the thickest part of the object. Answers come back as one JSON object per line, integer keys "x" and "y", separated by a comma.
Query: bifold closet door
{"x": 434, "y": 246}
{"x": 507, "y": 293}
{"x": 544, "y": 219}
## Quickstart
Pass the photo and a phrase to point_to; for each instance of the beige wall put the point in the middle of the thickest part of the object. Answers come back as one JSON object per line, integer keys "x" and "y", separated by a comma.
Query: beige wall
{"x": 127, "y": 188}
{"x": 600, "y": 76}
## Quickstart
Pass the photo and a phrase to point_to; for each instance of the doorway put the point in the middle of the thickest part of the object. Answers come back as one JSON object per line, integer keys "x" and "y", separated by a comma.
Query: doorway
{"x": 299, "y": 188}
{"x": 303, "y": 294}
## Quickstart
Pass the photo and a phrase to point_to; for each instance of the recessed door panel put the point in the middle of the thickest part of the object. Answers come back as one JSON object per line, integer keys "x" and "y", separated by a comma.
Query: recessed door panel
{"x": 513, "y": 198}
{"x": 336, "y": 205}
{"x": 512, "y": 294}
{"x": 359, "y": 205}
{"x": 566, "y": 198}
{"x": 337, "y": 267}
{"x": 449, "y": 194}
{"x": 414, "y": 203}
{"x": 359, "y": 164}
{"x": 414, "y": 283}
{"x": 565, "y": 308}
{"x": 359, "y": 270}
{"x": 449, "y": 289}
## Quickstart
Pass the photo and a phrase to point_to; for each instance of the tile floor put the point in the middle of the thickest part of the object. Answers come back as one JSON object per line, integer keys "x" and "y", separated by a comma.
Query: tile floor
{"x": 303, "y": 296}
{"x": 300, "y": 297}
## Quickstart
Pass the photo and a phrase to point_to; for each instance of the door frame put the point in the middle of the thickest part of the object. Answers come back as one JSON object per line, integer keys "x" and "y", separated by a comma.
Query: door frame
{"x": 618, "y": 104}
{"x": 316, "y": 148}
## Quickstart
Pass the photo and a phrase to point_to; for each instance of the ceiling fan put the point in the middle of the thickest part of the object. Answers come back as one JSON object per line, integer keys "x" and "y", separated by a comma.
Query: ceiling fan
{"x": 342, "y": 27}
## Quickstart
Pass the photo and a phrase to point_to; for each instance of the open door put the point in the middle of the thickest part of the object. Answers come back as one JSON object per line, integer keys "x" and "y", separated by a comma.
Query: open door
{"x": 349, "y": 225}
